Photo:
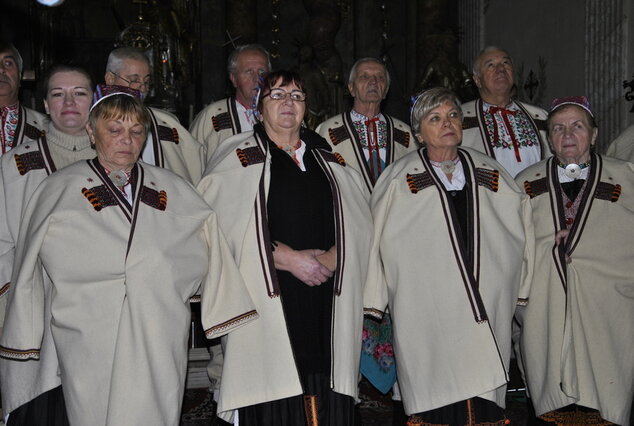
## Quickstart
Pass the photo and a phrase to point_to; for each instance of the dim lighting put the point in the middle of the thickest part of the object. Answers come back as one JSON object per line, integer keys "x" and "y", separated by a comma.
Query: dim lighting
{"x": 50, "y": 3}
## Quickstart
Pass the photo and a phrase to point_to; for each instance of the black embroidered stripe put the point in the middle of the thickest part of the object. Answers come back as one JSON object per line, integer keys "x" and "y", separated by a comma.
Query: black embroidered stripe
{"x": 29, "y": 161}
{"x": 154, "y": 198}
{"x": 419, "y": 181}
{"x": 401, "y": 137}
{"x": 338, "y": 134}
{"x": 99, "y": 197}
{"x": 250, "y": 156}
{"x": 333, "y": 157}
{"x": 536, "y": 187}
{"x": 169, "y": 134}
{"x": 489, "y": 179}
{"x": 221, "y": 121}
{"x": 32, "y": 132}
{"x": 607, "y": 191}
{"x": 470, "y": 122}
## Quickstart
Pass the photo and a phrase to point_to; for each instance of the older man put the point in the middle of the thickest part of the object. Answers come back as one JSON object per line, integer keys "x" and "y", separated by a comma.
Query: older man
{"x": 512, "y": 132}
{"x": 367, "y": 139}
{"x": 230, "y": 116}
{"x": 16, "y": 121}
{"x": 169, "y": 144}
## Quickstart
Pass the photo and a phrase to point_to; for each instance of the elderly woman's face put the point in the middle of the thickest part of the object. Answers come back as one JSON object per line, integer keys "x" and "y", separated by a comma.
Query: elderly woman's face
{"x": 442, "y": 127}
{"x": 284, "y": 113}
{"x": 118, "y": 142}
{"x": 571, "y": 135}
{"x": 68, "y": 100}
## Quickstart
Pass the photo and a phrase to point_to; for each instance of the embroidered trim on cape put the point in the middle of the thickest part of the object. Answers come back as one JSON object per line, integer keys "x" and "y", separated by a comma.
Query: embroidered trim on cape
{"x": 210, "y": 332}
{"x": 338, "y": 134}
{"x": 522, "y": 301}
{"x": 169, "y": 134}
{"x": 154, "y": 198}
{"x": 32, "y": 132}
{"x": 250, "y": 156}
{"x": 19, "y": 355}
{"x": 489, "y": 179}
{"x": 221, "y": 121}
{"x": 536, "y": 187}
{"x": 540, "y": 124}
{"x": 607, "y": 191}
{"x": 99, "y": 196}
{"x": 470, "y": 122}
{"x": 401, "y": 137}
{"x": 5, "y": 288}
{"x": 374, "y": 313}
{"x": 311, "y": 410}
{"x": 419, "y": 181}
{"x": 334, "y": 157}
{"x": 195, "y": 298}
{"x": 28, "y": 161}
{"x": 574, "y": 418}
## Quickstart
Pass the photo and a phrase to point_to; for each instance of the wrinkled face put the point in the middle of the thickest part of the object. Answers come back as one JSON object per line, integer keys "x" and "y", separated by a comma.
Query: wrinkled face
{"x": 68, "y": 101}
{"x": 571, "y": 135}
{"x": 250, "y": 66}
{"x": 496, "y": 74}
{"x": 134, "y": 74}
{"x": 285, "y": 113}
{"x": 442, "y": 127}
{"x": 9, "y": 78}
{"x": 118, "y": 142}
{"x": 370, "y": 83}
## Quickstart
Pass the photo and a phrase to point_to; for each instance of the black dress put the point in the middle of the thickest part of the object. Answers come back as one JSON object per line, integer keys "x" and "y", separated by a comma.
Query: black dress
{"x": 301, "y": 215}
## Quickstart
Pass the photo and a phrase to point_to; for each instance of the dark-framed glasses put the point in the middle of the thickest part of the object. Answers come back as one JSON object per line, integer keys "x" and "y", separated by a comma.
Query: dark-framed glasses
{"x": 280, "y": 94}
{"x": 134, "y": 82}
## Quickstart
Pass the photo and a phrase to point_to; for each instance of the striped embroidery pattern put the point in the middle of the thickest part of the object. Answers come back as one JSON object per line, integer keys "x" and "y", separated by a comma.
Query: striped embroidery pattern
{"x": 19, "y": 355}
{"x": 607, "y": 191}
{"x": 401, "y": 137}
{"x": 221, "y": 121}
{"x": 250, "y": 156}
{"x": 99, "y": 196}
{"x": 168, "y": 134}
{"x": 32, "y": 132}
{"x": 536, "y": 187}
{"x": 334, "y": 158}
{"x": 154, "y": 198}
{"x": 338, "y": 135}
{"x": 419, "y": 181}
{"x": 29, "y": 161}
{"x": 489, "y": 179}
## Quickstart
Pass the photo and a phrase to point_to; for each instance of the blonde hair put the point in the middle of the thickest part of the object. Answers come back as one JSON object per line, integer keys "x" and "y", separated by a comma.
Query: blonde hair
{"x": 120, "y": 106}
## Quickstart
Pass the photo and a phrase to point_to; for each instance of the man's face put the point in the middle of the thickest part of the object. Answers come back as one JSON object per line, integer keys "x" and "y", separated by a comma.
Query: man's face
{"x": 134, "y": 74}
{"x": 369, "y": 84}
{"x": 496, "y": 74}
{"x": 250, "y": 65}
{"x": 9, "y": 78}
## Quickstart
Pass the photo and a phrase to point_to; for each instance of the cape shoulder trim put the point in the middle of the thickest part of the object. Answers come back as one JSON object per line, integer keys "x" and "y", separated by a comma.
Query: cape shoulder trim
{"x": 489, "y": 179}
{"x": 338, "y": 134}
{"x": 154, "y": 198}
{"x": 32, "y": 132}
{"x": 608, "y": 191}
{"x": 418, "y": 181}
{"x": 470, "y": 122}
{"x": 99, "y": 196}
{"x": 333, "y": 157}
{"x": 250, "y": 156}
{"x": 225, "y": 119}
{"x": 536, "y": 187}
{"x": 169, "y": 134}
{"x": 33, "y": 160}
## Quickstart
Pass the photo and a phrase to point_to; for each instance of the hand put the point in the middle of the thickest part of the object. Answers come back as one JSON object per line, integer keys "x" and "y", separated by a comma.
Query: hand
{"x": 303, "y": 264}
{"x": 329, "y": 258}
{"x": 560, "y": 238}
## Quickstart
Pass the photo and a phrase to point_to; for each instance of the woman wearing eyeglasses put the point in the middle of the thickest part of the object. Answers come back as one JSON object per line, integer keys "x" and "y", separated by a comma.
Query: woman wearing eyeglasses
{"x": 297, "y": 220}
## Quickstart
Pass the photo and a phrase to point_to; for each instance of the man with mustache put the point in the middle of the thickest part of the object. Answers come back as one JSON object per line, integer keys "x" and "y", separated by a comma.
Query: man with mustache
{"x": 236, "y": 114}
{"x": 366, "y": 138}
{"x": 512, "y": 132}
{"x": 16, "y": 121}
{"x": 169, "y": 144}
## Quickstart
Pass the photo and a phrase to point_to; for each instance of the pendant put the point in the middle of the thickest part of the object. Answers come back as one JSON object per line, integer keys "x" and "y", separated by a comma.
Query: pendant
{"x": 118, "y": 177}
{"x": 448, "y": 166}
{"x": 573, "y": 171}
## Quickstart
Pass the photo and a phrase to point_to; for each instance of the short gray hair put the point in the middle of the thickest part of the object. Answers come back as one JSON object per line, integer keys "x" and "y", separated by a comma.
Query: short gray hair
{"x": 120, "y": 54}
{"x": 429, "y": 100}
{"x": 232, "y": 62}
{"x": 476, "y": 60}
{"x": 8, "y": 47}
{"x": 353, "y": 70}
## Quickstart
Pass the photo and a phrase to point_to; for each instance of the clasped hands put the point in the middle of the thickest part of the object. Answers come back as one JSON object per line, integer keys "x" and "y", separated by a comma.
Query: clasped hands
{"x": 312, "y": 266}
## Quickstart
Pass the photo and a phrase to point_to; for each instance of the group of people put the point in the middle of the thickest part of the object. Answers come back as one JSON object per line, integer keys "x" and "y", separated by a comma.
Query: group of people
{"x": 419, "y": 256}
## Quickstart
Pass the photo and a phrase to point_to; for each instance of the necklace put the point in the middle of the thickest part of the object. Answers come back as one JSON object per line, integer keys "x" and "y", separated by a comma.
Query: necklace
{"x": 290, "y": 149}
{"x": 447, "y": 166}
{"x": 573, "y": 170}
{"x": 119, "y": 177}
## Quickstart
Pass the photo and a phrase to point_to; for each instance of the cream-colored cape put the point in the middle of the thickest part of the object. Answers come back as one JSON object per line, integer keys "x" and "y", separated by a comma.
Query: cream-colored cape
{"x": 623, "y": 146}
{"x": 451, "y": 322}
{"x": 258, "y": 359}
{"x": 578, "y": 333}
{"x": 178, "y": 150}
{"x": 476, "y": 136}
{"x": 342, "y": 137}
{"x": 215, "y": 123}
{"x": 121, "y": 281}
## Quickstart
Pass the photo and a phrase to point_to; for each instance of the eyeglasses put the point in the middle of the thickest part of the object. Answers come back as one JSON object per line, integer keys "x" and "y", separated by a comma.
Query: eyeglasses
{"x": 280, "y": 94}
{"x": 139, "y": 83}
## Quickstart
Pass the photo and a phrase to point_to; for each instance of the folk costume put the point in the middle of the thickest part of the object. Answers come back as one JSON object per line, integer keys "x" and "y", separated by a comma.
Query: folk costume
{"x": 21, "y": 172}
{"x": 623, "y": 146}
{"x": 171, "y": 146}
{"x": 577, "y": 338}
{"x": 515, "y": 136}
{"x": 17, "y": 124}
{"x": 307, "y": 341}
{"x": 369, "y": 145}
{"x": 219, "y": 121}
{"x": 452, "y": 283}
{"x": 119, "y": 304}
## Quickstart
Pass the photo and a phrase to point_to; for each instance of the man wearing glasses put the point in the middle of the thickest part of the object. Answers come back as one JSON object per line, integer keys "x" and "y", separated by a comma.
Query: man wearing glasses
{"x": 169, "y": 144}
